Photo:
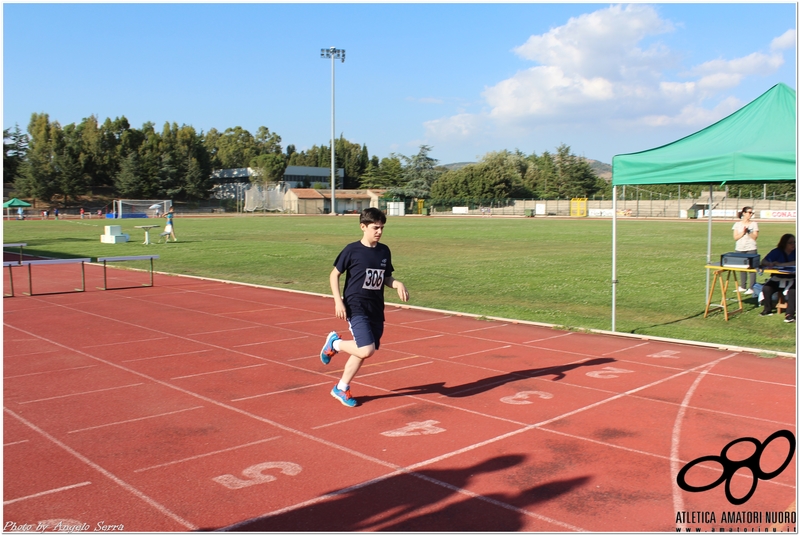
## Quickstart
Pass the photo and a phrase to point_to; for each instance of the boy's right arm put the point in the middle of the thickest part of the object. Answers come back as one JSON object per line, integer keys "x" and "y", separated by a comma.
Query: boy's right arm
{"x": 341, "y": 311}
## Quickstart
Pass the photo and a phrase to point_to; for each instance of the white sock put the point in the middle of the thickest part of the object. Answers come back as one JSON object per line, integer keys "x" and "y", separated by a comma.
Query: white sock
{"x": 341, "y": 386}
{"x": 337, "y": 345}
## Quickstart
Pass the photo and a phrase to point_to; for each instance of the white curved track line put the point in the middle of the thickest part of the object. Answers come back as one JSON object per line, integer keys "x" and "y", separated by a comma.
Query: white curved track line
{"x": 676, "y": 493}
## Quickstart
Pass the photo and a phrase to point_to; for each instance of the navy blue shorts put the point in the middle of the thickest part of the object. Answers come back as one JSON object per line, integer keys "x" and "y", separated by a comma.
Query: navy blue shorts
{"x": 366, "y": 331}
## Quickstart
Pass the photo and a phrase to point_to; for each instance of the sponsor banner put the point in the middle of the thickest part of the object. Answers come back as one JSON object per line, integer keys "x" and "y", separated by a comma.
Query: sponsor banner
{"x": 720, "y": 213}
{"x": 777, "y": 214}
{"x": 600, "y": 212}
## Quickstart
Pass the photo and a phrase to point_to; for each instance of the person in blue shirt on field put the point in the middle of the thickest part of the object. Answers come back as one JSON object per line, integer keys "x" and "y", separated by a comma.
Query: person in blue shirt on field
{"x": 367, "y": 264}
{"x": 170, "y": 224}
{"x": 784, "y": 255}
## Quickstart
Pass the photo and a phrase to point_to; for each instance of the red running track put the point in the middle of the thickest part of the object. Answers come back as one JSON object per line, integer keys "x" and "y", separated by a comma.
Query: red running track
{"x": 202, "y": 405}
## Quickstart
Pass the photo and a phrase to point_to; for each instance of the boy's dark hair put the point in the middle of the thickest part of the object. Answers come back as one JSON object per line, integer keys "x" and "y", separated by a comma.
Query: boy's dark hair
{"x": 372, "y": 215}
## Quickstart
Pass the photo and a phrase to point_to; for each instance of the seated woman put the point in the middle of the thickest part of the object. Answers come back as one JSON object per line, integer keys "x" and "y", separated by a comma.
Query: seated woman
{"x": 783, "y": 256}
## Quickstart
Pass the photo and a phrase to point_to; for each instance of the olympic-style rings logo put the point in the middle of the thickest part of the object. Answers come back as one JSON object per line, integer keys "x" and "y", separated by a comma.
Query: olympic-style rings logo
{"x": 730, "y": 467}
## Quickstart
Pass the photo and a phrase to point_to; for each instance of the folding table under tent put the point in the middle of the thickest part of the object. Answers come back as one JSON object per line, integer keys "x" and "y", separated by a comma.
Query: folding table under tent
{"x": 14, "y": 203}
{"x": 757, "y": 143}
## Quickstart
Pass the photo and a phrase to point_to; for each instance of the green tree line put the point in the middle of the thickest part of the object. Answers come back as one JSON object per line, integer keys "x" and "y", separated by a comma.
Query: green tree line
{"x": 50, "y": 161}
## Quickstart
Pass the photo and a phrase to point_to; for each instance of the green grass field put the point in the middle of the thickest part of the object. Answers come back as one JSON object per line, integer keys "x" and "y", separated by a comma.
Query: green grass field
{"x": 547, "y": 270}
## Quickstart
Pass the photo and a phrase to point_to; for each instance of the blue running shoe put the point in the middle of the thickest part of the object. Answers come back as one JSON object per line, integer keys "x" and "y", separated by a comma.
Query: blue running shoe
{"x": 327, "y": 350}
{"x": 343, "y": 396}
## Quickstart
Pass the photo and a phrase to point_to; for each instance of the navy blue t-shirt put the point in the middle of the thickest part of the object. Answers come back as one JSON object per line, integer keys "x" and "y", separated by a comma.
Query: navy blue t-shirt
{"x": 367, "y": 269}
{"x": 778, "y": 255}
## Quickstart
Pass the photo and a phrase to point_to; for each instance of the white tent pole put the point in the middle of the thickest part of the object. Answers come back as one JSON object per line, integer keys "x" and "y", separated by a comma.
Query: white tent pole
{"x": 613, "y": 281}
{"x": 709, "y": 239}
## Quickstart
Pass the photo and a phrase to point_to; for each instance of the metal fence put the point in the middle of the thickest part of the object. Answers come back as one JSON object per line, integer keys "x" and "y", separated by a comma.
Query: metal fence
{"x": 637, "y": 207}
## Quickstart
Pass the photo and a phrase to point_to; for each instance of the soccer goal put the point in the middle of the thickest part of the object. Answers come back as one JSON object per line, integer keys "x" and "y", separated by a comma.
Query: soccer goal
{"x": 130, "y": 208}
{"x": 267, "y": 198}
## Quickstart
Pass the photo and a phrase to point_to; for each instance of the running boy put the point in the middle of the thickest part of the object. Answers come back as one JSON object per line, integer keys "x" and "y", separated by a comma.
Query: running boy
{"x": 368, "y": 266}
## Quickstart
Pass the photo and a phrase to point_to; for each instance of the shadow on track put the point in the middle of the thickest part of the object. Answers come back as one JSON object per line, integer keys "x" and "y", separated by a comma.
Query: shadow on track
{"x": 487, "y": 383}
{"x": 407, "y": 502}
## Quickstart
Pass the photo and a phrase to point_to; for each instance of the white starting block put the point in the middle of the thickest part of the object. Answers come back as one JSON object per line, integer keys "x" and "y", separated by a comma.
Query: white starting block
{"x": 113, "y": 234}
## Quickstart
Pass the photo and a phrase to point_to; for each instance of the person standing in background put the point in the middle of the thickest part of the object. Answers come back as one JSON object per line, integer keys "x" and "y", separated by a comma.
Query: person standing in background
{"x": 170, "y": 223}
{"x": 745, "y": 232}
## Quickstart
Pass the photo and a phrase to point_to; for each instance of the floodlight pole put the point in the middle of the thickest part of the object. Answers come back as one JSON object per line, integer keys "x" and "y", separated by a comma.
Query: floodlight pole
{"x": 333, "y": 53}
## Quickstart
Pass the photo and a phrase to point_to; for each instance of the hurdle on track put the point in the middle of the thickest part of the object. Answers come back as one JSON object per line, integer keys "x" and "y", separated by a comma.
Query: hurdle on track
{"x": 106, "y": 259}
{"x": 82, "y": 262}
{"x": 20, "y": 245}
{"x": 30, "y": 263}
{"x": 9, "y": 265}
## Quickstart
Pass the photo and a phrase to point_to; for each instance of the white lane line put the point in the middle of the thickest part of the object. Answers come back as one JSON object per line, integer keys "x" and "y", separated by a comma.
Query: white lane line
{"x": 228, "y": 330}
{"x": 362, "y": 416}
{"x": 49, "y": 371}
{"x": 548, "y": 338}
{"x": 210, "y": 453}
{"x": 168, "y": 355}
{"x": 250, "y": 311}
{"x": 134, "y": 419}
{"x": 130, "y": 488}
{"x": 424, "y": 321}
{"x": 625, "y": 349}
{"x": 361, "y": 376}
{"x": 281, "y": 391}
{"x": 483, "y": 328}
{"x": 750, "y": 379}
{"x": 309, "y": 320}
{"x": 302, "y": 358}
{"x": 80, "y": 393}
{"x": 7, "y": 356}
{"x": 127, "y": 342}
{"x": 226, "y": 370}
{"x": 46, "y": 492}
{"x": 400, "y": 342}
{"x": 15, "y": 443}
{"x": 675, "y": 442}
{"x": 272, "y": 341}
{"x": 478, "y": 352}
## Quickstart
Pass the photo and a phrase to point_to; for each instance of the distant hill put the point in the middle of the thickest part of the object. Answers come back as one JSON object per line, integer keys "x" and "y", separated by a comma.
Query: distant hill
{"x": 603, "y": 170}
{"x": 455, "y": 166}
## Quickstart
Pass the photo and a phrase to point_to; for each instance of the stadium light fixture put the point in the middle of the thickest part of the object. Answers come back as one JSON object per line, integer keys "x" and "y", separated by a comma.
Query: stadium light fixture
{"x": 333, "y": 53}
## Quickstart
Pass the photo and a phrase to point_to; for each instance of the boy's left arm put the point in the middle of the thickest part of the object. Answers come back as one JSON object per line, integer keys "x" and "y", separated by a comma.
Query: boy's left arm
{"x": 402, "y": 292}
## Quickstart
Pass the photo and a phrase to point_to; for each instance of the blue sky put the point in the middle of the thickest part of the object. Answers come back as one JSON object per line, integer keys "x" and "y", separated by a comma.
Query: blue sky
{"x": 465, "y": 79}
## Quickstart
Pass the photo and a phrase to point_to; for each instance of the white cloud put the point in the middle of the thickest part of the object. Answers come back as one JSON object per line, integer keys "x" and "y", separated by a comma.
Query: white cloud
{"x": 693, "y": 115}
{"x": 784, "y": 41}
{"x": 461, "y": 126}
{"x": 605, "y": 43}
{"x": 607, "y": 67}
{"x": 720, "y": 74}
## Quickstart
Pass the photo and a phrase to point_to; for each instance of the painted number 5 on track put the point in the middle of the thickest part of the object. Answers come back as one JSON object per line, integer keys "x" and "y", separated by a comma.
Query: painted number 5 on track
{"x": 255, "y": 475}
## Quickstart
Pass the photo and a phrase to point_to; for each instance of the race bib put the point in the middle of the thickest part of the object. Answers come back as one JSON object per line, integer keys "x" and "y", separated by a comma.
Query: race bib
{"x": 374, "y": 279}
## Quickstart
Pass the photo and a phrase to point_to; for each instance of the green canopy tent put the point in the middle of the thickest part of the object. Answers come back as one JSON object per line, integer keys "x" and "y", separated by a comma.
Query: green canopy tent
{"x": 757, "y": 143}
{"x": 14, "y": 203}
